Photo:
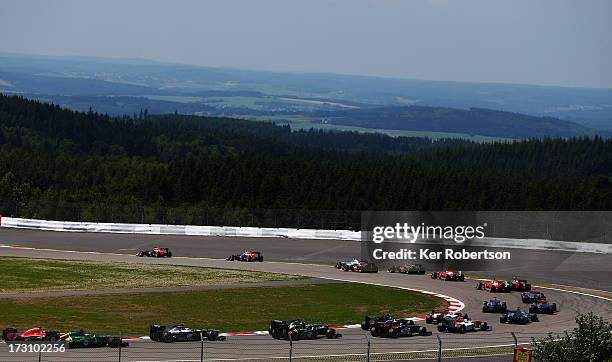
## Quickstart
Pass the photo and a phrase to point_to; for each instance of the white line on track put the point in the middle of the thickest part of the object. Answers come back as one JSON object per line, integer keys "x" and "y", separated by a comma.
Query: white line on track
{"x": 344, "y": 355}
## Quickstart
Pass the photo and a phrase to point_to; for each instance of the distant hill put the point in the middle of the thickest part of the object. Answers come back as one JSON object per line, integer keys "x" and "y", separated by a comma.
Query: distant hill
{"x": 589, "y": 107}
{"x": 485, "y": 122}
{"x": 453, "y": 107}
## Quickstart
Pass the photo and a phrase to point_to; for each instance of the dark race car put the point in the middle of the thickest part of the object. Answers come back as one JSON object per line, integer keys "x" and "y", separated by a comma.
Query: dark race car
{"x": 370, "y": 321}
{"x": 461, "y": 324}
{"x": 156, "y": 253}
{"x": 543, "y": 307}
{"x": 520, "y": 285}
{"x": 518, "y": 317}
{"x": 32, "y": 334}
{"x": 395, "y": 328}
{"x": 532, "y": 296}
{"x": 350, "y": 263}
{"x": 180, "y": 333}
{"x": 408, "y": 269}
{"x": 494, "y": 306}
{"x": 450, "y": 275}
{"x": 81, "y": 339}
{"x": 363, "y": 266}
{"x": 494, "y": 286}
{"x": 296, "y": 330}
{"x": 247, "y": 256}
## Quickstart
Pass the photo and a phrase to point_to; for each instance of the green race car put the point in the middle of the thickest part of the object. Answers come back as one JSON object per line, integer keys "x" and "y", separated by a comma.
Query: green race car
{"x": 84, "y": 340}
{"x": 296, "y": 330}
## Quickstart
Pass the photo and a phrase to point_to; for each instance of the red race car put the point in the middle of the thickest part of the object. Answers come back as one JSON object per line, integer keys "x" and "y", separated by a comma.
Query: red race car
{"x": 32, "y": 334}
{"x": 156, "y": 253}
{"x": 520, "y": 285}
{"x": 246, "y": 256}
{"x": 495, "y": 286}
{"x": 451, "y": 275}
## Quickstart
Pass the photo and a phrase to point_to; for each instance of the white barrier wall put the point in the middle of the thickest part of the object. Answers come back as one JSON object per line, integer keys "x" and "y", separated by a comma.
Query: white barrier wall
{"x": 86, "y": 227}
{"x": 70, "y": 226}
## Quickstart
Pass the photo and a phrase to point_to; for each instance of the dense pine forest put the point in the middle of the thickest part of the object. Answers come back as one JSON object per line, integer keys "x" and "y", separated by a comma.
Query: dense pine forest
{"x": 61, "y": 164}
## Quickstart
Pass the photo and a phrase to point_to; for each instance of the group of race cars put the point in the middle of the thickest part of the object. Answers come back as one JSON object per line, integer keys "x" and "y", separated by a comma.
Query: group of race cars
{"x": 73, "y": 339}
{"x": 537, "y": 301}
{"x": 378, "y": 326}
{"x": 248, "y": 255}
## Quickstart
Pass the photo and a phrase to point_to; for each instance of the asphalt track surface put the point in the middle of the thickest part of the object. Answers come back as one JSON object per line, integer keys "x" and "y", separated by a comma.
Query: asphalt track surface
{"x": 580, "y": 269}
{"x": 117, "y": 247}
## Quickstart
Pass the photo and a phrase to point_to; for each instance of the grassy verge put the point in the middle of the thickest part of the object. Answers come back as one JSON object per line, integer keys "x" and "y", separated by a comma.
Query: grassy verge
{"x": 228, "y": 309}
{"x": 22, "y": 274}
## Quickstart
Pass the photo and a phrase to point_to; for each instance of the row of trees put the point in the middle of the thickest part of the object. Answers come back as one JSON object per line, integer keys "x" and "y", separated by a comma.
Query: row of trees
{"x": 171, "y": 167}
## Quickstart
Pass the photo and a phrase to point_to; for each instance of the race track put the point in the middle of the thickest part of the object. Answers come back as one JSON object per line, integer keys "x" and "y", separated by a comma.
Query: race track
{"x": 117, "y": 247}
{"x": 595, "y": 270}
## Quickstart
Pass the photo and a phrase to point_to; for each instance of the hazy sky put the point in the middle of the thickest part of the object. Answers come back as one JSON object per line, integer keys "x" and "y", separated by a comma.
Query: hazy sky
{"x": 525, "y": 41}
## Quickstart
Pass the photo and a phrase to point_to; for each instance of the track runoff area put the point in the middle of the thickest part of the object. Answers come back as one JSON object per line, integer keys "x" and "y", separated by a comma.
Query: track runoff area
{"x": 314, "y": 258}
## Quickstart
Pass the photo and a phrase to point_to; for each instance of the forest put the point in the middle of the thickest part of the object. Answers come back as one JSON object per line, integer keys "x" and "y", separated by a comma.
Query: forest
{"x": 62, "y": 164}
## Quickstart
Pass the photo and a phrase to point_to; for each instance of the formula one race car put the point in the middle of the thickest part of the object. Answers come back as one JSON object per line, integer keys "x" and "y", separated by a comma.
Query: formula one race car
{"x": 81, "y": 339}
{"x": 451, "y": 275}
{"x": 370, "y": 321}
{"x": 436, "y": 316}
{"x": 395, "y": 328}
{"x": 180, "y": 333}
{"x": 342, "y": 264}
{"x": 494, "y": 306}
{"x": 532, "y": 296}
{"x": 32, "y": 334}
{"x": 363, "y": 266}
{"x": 247, "y": 256}
{"x": 520, "y": 285}
{"x": 156, "y": 253}
{"x": 297, "y": 330}
{"x": 461, "y": 324}
{"x": 543, "y": 307}
{"x": 518, "y": 317}
{"x": 494, "y": 286}
{"x": 408, "y": 269}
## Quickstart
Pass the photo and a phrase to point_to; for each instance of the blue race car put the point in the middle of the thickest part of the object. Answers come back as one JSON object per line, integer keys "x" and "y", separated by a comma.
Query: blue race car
{"x": 518, "y": 317}
{"x": 532, "y": 296}
{"x": 494, "y": 306}
{"x": 543, "y": 307}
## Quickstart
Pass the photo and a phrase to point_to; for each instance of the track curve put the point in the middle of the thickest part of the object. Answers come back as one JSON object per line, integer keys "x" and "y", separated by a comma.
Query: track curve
{"x": 570, "y": 303}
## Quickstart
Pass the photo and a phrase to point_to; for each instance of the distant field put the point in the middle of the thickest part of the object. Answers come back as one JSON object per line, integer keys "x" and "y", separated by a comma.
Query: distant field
{"x": 229, "y": 309}
{"x": 22, "y": 274}
{"x": 300, "y": 122}
{"x": 303, "y": 122}
{"x": 179, "y": 99}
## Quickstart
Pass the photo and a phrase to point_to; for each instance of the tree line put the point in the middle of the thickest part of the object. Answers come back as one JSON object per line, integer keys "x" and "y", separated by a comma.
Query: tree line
{"x": 58, "y": 163}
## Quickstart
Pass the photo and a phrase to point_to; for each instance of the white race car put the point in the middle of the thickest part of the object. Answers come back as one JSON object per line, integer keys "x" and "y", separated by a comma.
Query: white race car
{"x": 344, "y": 264}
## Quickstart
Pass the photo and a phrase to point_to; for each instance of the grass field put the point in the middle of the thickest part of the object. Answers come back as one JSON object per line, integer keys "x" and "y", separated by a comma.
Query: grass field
{"x": 226, "y": 309}
{"x": 298, "y": 122}
{"x": 22, "y": 274}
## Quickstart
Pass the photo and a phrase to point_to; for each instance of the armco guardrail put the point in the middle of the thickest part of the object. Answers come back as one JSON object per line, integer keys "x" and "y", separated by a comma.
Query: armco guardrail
{"x": 71, "y": 226}
{"x": 158, "y": 229}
